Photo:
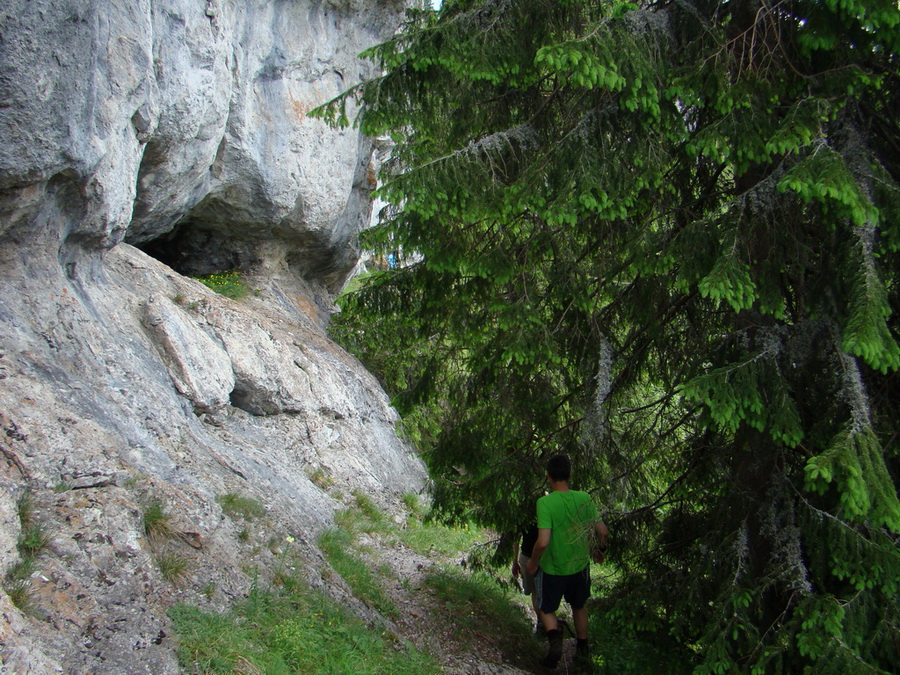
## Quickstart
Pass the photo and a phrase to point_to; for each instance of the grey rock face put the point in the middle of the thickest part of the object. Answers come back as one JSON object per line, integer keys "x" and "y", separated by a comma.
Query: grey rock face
{"x": 180, "y": 127}
{"x": 183, "y": 126}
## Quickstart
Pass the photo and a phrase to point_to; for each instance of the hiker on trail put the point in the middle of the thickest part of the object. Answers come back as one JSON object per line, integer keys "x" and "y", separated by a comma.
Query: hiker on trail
{"x": 521, "y": 554}
{"x": 570, "y": 533}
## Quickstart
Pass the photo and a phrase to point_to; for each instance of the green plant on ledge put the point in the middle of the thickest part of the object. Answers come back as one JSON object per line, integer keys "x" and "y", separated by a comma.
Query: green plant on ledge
{"x": 32, "y": 541}
{"x": 157, "y": 523}
{"x": 230, "y": 284}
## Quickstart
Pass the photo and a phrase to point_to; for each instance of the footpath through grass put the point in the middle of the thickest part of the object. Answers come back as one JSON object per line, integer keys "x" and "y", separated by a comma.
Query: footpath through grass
{"x": 285, "y": 628}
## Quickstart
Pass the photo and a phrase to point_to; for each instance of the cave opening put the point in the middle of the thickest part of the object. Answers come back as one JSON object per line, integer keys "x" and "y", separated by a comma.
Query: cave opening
{"x": 195, "y": 249}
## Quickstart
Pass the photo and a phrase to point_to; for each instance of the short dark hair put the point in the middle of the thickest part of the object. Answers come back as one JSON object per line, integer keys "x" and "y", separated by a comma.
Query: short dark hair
{"x": 559, "y": 467}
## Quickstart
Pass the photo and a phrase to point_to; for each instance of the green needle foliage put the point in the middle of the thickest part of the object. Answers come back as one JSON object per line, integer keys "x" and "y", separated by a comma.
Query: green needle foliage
{"x": 663, "y": 238}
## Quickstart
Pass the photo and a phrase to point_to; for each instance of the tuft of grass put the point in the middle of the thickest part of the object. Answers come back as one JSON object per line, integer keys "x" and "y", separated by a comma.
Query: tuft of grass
{"x": 19, "y": 593}
{"x": 25, "y": 507}
{"x": 230, "y": 284}
{"x": 238, "y": 506}
{"x": 173, "y": 567}
{"x": 157, "y": 523}
{"x": 321, "y": 478}
{"x": 32, "y": 541}
{"x": 134, "y": 479}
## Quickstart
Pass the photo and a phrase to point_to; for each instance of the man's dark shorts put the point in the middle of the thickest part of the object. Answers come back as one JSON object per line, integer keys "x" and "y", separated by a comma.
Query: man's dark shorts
{"x": 551, "y": 589}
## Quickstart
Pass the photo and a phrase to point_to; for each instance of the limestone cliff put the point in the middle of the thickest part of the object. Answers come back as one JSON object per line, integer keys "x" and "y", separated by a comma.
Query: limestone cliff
{"x": 143, "y": 142}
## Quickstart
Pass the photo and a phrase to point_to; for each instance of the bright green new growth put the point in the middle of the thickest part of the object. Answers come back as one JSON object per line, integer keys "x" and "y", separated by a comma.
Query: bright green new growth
{"x": 662, "y": 238}
{"x": 230, "y": 284}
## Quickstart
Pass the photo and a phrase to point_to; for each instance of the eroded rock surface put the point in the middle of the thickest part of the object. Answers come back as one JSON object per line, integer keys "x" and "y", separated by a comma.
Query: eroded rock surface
{"x": 141, "y": 143}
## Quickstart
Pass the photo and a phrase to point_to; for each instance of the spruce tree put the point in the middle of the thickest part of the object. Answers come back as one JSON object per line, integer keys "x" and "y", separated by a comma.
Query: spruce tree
{"x": 662, "y": 238}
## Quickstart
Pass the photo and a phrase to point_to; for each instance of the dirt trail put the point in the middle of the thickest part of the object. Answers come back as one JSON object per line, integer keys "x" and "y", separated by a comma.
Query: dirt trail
{"x": 426, "y": 622}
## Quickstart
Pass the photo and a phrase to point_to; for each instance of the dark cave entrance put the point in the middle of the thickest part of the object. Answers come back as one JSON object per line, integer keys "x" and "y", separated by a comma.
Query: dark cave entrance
{"x": 195, "y": 249}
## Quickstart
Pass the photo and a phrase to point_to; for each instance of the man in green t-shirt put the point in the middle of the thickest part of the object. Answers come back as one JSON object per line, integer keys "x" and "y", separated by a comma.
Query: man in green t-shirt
{"x": 570, "y": 533}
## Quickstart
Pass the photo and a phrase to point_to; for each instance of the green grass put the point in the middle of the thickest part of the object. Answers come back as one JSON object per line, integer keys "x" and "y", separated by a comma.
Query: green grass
{"x": 413, "y": 504}
{"x": 370, "y": 509}
{"x": 430, "y": 538}
{"x": 230, "y": 284}
{"x": 33, "y": 540}
{"x": 480, "y": 608}
{"x": 337, "y": 545}
{"x": 291, "y": 631}
{"x": 290, "y": 628}
{"x": 157, "y": 523}
{"x": 238, "y": 506}
{"x": 173, "y": 567}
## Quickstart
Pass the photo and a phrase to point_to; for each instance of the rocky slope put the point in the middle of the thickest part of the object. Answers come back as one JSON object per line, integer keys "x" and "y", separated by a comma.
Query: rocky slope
{"x": 141, "y": 143}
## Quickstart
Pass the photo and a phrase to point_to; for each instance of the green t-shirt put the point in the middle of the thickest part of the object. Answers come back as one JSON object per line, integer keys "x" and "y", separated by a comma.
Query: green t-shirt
{"x": 571, "y": 517}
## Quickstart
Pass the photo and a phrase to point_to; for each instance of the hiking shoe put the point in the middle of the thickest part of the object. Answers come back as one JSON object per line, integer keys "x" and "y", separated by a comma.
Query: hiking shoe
{"x": 582, "y": 660}
{"x": 554, "y": 651}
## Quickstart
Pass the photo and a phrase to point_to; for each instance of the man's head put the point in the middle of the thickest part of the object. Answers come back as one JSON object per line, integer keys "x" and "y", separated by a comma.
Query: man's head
{"x": 559, "y": 468}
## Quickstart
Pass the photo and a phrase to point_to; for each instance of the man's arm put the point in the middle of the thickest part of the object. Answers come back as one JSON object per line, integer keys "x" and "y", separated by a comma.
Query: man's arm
{"x": 540, "y": 546}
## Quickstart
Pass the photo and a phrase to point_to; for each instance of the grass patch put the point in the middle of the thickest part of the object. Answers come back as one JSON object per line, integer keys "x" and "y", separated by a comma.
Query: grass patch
{"x": 173, "y": 567}
{"x": 230, "y": 284}
{"x": 19, "y": 593}
{"x": 33, "y": 540}
{"x": 288, "y": 632}
{"x": 414, "y": 505}
{"x": 157, "y": 523}
{"x": 321, "y": 478}
{"x": 428, "y": 538}
{"x": 238, "y": 506}
{"x": 291, "y": 628}
{"x": 481, "y": 609}
{"x": 25, "y": 507}
{"x": 370, "y": 509}
{"x": 337, "y": 547}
